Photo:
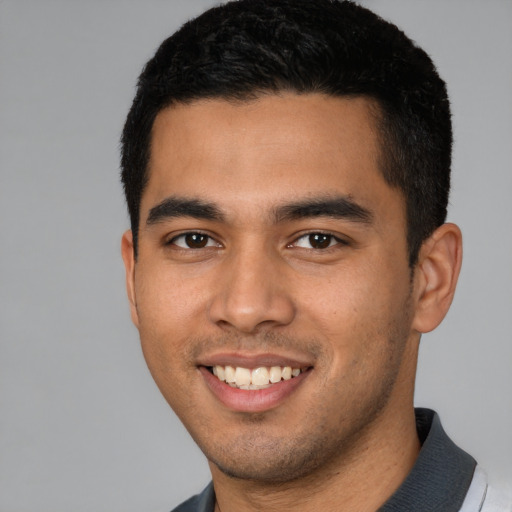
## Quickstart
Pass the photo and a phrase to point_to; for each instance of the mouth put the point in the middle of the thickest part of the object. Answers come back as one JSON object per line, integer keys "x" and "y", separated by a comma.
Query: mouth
{"x": 251, "y": 384}
{"x": 249, "y": 379}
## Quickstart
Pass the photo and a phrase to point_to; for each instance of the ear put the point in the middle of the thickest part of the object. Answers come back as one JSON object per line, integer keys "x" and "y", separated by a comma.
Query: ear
{"x": 436, "y": 276}
{"x": 127, "y": 251}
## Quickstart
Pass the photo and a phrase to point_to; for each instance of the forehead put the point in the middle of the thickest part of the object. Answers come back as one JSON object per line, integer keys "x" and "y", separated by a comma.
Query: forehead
{"x": 260, "y": 152}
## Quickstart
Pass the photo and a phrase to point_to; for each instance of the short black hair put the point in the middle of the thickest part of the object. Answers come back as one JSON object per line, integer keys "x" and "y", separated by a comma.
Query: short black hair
{"x": 248, "y": 48}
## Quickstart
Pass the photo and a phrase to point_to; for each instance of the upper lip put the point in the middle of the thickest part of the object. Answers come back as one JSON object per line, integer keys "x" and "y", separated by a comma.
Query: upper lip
{"x": 247, "y": 360}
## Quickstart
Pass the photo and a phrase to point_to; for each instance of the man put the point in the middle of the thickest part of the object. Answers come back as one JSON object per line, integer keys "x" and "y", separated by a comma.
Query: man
{"x": 286, "y": 167}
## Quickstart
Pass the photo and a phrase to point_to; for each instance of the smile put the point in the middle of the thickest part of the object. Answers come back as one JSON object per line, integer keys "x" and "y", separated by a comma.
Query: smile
{"x": 253, "y": 384}
{"x": 253, "y": 379}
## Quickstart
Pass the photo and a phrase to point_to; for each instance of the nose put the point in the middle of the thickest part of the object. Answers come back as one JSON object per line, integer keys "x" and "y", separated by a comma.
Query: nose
{"x": 252, "y": 293}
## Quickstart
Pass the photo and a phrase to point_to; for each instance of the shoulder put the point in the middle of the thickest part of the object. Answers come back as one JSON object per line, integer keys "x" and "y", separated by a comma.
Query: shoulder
{"x": 482, "y": 497}
{"x": 203, "y": 502}
{"x": 498, "y": 499}
{"x": 187, "y": 506}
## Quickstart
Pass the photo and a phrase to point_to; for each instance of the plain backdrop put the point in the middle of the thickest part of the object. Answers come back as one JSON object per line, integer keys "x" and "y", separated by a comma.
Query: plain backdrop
{"x": 82, "y": 425}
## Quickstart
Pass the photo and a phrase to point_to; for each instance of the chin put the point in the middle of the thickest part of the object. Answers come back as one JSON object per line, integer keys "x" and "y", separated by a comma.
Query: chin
{"x": 274, "y": 461}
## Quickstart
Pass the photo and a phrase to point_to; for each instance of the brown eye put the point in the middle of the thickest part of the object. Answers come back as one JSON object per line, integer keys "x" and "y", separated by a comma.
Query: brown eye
{"x": 196, "y": 240}
{"x": 193, "y": 240}
{"x": 320, "y": 240}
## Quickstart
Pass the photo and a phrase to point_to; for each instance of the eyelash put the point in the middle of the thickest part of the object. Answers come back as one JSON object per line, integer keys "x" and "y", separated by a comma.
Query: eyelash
{"x": 208, "y": 238}
{"x": 330, "y": 238}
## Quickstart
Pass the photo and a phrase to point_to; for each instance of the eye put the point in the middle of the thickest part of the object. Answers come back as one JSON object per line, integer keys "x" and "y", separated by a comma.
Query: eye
{"x": 317, "y": 241}
{"x": 193, "y": 240}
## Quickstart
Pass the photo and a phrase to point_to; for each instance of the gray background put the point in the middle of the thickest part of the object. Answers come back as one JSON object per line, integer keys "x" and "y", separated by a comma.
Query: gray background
{"x": 82, "y": 426}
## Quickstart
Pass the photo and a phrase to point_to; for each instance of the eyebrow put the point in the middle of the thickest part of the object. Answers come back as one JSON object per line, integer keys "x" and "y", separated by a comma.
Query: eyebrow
{"x": 173, "y": 207}
{"x": 338, "y": 207}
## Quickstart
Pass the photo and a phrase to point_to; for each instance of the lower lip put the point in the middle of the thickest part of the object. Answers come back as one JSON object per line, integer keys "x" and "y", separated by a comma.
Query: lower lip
{"x": 252, "y": 400}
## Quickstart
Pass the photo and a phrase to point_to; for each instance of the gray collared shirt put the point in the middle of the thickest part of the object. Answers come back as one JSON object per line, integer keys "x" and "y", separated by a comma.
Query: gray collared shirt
{"x": 438, "y": 482}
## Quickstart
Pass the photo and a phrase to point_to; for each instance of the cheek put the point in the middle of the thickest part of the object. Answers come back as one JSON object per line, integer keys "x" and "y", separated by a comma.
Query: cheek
{"x": 358, "y": 314}
{"x": 165, "y": 330}
{"x": 167, "y": 300}
{"x": 347, "y": 300}
{"x": 169, "y": 310}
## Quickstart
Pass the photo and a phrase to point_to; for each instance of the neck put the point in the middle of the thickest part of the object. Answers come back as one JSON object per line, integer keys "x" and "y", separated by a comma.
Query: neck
{"x": 360, "y": 482}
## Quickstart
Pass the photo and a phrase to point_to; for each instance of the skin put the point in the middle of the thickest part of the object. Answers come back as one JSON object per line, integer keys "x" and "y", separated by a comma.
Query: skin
{"x": 353, "y": 312}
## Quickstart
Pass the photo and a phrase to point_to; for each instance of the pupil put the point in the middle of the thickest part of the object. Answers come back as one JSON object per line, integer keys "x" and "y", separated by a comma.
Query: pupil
{"x": 196, "y": 240}
{"x": 319, "y": 241}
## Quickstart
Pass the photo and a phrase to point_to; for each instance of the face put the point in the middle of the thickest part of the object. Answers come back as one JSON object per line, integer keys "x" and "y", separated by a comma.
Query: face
{"x": 272, "y": 290}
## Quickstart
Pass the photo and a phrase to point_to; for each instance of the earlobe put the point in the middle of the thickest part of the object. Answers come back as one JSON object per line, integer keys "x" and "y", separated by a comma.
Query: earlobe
{"x": 436, "y": 276}
{"x": 127, "y": 251}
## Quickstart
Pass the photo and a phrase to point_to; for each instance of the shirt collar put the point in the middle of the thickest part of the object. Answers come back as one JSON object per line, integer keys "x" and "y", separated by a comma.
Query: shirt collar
{"x": 439, "y": 479}
{"x": 441, "y": 475}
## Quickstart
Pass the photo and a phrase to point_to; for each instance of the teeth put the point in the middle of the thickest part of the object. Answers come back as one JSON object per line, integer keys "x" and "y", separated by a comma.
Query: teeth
{"x": 275, "y": 374}
{"x": 229, "y": 373}
{"x": 221, "y": 374}
{"x": 254, "y": 386}
{"x": 258, "y": 378}
{"x": 242, "y": 376}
